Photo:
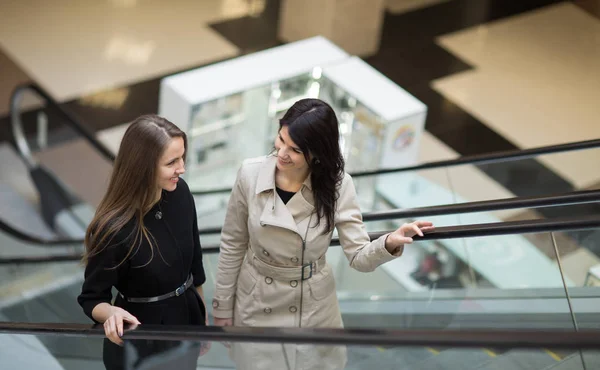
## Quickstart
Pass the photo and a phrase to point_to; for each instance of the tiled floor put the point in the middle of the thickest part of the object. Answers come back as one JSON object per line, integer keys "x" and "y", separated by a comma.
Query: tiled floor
{"x": 536, "y": 81}
{"x": 74, "y": 48}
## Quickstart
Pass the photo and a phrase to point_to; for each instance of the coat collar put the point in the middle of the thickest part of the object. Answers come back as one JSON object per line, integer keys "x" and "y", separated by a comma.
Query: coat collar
{"x": 266, "y": 176}
{"x": 275, "y": 212}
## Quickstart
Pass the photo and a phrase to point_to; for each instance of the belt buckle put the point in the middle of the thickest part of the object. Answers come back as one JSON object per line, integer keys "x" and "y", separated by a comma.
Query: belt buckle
{"x": 310, "y": 272}
{"x": 179, "y": 291}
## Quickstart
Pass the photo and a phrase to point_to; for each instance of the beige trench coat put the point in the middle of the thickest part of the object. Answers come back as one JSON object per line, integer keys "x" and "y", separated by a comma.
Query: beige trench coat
{"x": 259, "y": 274}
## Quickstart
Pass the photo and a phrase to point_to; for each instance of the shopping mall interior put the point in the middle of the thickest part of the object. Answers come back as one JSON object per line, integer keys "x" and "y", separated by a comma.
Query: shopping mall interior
{"x": 478, "y": 115}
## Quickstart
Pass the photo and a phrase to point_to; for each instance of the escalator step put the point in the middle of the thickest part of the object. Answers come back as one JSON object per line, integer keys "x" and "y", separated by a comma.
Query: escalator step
{"x": 574, "y": 362}
{"x": 385, "y": 358}
{"x": 452, "y": 359}
{"x": 520, "y": 360}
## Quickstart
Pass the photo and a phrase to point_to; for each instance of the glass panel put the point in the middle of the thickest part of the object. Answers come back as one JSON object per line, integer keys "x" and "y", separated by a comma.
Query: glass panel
{"x": 22, "y": 282}
{"x": 46, "y": 295}
{"x": 508, "y": 281}
{"x": 580, "y": 259}
{"x": 50, "y": 352}
{"x": 211, "y": 210}
{"x": 590, "y": 358}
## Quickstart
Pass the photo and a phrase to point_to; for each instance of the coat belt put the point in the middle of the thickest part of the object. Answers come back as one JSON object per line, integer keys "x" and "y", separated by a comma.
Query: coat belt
{"x": 286, "y": 273}
{"x": 176, "y": 293}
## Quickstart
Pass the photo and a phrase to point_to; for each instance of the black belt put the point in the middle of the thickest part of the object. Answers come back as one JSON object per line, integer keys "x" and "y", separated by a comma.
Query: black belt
{"x": 176, "y": 293}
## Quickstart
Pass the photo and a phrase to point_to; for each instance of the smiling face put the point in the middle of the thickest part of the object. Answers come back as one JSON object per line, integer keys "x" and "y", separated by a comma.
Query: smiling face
{"x": 171, "y": 165}
{"x": 289, "y": 155}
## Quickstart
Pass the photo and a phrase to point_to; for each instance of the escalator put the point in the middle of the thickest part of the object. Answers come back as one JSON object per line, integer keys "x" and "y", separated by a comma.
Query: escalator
{"x": 437, "y": 309}
{"x": 51, "y": 288}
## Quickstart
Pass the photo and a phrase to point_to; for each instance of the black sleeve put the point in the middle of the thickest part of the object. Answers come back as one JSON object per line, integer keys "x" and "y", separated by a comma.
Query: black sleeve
{"x": 197, "y": 265}
{"x": 102, "y": 273}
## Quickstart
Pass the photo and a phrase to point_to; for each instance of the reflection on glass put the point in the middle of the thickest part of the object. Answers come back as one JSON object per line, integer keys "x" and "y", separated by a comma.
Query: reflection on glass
{"x": 487, "y": 282}
{"x": 580, "y": 261}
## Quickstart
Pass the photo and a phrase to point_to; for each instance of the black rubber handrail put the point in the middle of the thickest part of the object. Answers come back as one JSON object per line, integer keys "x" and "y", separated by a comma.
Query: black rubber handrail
{"x": 555, "y": 200}
{"x": 505, "y": 339}
{"x": 576, "y": 197}
{"x": 449, "y": 232}
{"x": 59, "y": 242}
{"x": 495, "y": 157}
{"x": 70, "y": 119}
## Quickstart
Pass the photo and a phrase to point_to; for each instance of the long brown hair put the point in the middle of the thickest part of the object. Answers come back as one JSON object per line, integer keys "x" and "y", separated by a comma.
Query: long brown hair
{"x": 132, "y": 188}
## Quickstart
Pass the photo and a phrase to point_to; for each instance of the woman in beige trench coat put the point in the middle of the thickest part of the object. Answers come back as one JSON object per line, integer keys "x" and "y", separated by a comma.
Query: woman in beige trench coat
{"x": 280, "y": 218}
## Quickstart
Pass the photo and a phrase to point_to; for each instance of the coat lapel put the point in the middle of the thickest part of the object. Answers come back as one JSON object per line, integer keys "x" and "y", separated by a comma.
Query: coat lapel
{"x": 299, "y": 206}
{"x": 275, "y": 212}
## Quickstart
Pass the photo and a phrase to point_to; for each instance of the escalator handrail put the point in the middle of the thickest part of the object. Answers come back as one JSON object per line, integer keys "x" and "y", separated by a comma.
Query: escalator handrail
{"x": 572, "y": 198}
{"x": 39, "y": 242}
{"x": 447, "y": 232}
{"x": 501, "y": 338}
{"x": 70, "y": 119}
{"x": 577, "y": 197}
{"x": 495, "y": 157}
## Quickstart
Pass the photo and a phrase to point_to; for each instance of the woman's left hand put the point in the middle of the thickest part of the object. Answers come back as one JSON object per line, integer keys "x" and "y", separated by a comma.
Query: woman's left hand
{"x": 403, "y": 235}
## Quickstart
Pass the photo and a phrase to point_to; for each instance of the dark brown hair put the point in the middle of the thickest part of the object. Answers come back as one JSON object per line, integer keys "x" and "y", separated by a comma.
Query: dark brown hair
{"x": 313, "y": 126}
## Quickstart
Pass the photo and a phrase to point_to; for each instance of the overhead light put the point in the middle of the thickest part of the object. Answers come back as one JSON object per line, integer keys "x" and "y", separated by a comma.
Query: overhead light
{"x": 129, "y": 50}
{"x": 317, "y": 72}
{"x": 111, "y": 99}
{"x": 123, "y": 3}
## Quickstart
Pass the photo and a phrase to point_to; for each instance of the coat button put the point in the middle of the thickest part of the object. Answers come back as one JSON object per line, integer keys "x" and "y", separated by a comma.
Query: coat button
{"x": 267, "y": 310}
{"x": 268, "y": 280}
{"x": 294, "y": 283}
{"x": 295, "y": 259}
{"x": 265, "y": 253}
{"x": 293, "y": 309}
{"x": 215, "y": 304}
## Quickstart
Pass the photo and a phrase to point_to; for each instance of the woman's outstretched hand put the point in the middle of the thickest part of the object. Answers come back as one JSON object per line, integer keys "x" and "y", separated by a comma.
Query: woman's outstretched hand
{"x": 404, "y": 235}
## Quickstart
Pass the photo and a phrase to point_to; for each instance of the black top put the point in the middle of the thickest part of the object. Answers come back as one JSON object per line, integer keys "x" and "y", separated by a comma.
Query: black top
{"x": 177, "y": 253}
{"x": 285, "y": 195}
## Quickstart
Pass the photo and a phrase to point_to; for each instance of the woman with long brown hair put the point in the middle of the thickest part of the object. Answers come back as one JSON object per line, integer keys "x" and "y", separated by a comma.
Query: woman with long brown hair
{"x": 144, "y": 242}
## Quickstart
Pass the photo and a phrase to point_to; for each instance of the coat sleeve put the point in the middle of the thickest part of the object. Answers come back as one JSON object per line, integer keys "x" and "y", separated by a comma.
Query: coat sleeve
{"x": 364, "y": 255}
{"x": 234, "y": 244}
{"x": 102, "y": 272}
